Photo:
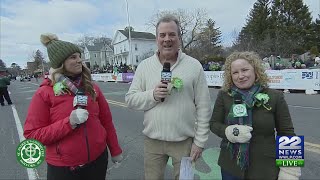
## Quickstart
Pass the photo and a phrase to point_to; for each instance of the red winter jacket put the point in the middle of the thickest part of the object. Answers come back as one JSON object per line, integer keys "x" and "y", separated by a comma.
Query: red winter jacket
{"x": 48, "y": 122}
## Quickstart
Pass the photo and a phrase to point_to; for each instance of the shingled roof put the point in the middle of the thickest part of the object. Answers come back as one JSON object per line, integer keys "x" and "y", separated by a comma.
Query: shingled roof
{"x": 95, "y": 47}
{"x": 138, "y": 35}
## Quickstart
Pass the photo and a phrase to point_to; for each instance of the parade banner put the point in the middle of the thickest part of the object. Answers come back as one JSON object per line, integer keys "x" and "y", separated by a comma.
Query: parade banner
{"x": 214, "y": 78}
{"x": 127, "y": 77}
{"x": 105, "y": 77}
{"x": 276, "y": 80}
{"x": 300, "y": 79}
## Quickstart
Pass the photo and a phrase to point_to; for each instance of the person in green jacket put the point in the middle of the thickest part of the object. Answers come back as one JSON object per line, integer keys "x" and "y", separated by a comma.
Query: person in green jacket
{"x": 246, "y": 115}
{"x": 4, "y": 82}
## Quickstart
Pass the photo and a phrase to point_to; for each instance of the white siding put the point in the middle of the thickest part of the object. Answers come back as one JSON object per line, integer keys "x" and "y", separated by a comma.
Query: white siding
{"x": 121, "y": 45}
{"x": 119, "y": 37}
{"x": 86, "y": 54}
{"x": 143, "y": 46}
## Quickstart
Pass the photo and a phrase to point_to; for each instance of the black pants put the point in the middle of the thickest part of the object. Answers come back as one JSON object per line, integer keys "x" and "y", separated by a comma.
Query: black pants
{"x": 4, "y": 93}
{"x": 96, "y": 170}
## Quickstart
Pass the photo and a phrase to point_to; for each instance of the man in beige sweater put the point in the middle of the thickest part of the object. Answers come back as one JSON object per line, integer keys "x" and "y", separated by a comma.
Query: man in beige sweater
{"x": 179, "y": 126}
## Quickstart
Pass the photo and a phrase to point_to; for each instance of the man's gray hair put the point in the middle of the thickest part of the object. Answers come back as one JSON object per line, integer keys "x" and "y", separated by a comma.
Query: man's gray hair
{"x": 168, "y": 18}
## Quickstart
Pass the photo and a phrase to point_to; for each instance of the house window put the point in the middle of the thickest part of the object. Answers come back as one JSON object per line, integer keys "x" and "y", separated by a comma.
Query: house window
{"x": 120, "y": 49}
{"x": 136, "y": 47}
{"x": 137, "y": 58}
{"x": 124, "y": 48}
{"x": 95, "y": 55}
{"x": 87, "y": 56}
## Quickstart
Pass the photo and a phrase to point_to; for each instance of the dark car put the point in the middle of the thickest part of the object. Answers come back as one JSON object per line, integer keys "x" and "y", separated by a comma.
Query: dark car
{"x": 26, "y": 78}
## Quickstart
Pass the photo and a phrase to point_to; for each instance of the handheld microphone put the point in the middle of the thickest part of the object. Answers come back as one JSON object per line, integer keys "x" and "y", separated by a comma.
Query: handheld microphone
{"x": 80, "y": 101}
{"x": 166, "y": 75}
{"x": 237, "y": 98}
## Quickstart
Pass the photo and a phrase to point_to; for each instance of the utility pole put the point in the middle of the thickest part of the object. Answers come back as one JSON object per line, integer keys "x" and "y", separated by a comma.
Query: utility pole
{"x": 128, "y": 19}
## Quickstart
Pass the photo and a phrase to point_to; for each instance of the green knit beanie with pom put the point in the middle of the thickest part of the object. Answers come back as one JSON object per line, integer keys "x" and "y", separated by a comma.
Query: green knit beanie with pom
{"x": 58, "y": 51}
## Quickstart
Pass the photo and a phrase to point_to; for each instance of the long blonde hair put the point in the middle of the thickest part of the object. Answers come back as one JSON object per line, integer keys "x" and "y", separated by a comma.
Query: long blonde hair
{"x": 85, "y": 77}
{"x": 253, "y": 59}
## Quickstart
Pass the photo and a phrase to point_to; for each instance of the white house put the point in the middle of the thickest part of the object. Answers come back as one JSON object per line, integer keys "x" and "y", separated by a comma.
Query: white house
{"x": 143, "y": 45}
{"x": 98, "y": 55}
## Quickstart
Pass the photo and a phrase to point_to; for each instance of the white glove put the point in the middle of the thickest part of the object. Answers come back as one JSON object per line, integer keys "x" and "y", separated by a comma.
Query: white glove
{"x": 117, "y": 159}
{"x": 291, "y": 173}
{"x": 238, "y": 133}
{"x": 78, "y": 116}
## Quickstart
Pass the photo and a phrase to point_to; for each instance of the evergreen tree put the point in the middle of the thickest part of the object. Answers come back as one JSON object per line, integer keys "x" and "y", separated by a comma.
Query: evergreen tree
{"x": 257, "y": 22}
{"x": 38, "y": 59}
{"x": 314, "y": 36}
{"x": 290, "y": 25}
{"x": 2, "y": 64}
{"x": 278, "y": 27}
{"x": 210, "y": 37}
{"x": 208, "y": 42}
{"x": 255, "y": 30}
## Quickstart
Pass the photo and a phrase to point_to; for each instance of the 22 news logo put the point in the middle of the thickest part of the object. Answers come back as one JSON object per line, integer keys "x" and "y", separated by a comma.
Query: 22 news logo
{"x": 290, "y": 151}
{"x": 166, "y": 76}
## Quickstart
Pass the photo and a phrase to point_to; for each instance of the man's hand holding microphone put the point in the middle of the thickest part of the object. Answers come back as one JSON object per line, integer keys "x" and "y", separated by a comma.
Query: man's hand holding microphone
{"x": 80, "y": 114}
{"x": 161, "y": 91}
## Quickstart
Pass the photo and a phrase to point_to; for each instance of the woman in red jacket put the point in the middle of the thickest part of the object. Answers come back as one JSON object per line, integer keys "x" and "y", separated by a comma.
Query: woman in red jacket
{"x": 76, "y": 139}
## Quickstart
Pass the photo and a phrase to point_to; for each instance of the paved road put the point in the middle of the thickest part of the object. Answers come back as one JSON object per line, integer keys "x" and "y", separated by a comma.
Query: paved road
{"x": 305, "y": 111}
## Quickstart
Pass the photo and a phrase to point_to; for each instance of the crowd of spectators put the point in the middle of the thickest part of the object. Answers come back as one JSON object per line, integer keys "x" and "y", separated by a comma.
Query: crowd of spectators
{"x": 295, "y": 62}
{"x": 116, "y": 68}
{"x": 273, "y": 63}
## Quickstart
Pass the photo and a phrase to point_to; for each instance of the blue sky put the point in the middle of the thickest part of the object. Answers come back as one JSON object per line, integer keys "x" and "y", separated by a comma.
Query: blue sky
{"x": 23, "y": 21}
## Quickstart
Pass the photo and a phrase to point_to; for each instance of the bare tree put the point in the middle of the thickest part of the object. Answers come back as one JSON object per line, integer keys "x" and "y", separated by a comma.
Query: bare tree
{"x": 191, "y": 22}
{"x": 91, "y": 40}
{"x": 234, "y": 35}
{"x": 14, "y": 69}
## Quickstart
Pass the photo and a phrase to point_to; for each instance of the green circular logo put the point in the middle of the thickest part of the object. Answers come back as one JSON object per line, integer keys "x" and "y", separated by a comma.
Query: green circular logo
{"x": 239, "y": 110}
{"x": 30, "y": 153}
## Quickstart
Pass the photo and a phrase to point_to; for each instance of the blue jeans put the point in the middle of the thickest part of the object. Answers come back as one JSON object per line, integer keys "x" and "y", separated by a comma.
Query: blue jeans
{"x": 227, "y": 176}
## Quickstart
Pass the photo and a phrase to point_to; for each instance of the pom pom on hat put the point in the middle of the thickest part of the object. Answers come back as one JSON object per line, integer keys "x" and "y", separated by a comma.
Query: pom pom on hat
{"x": 47, "y": 38}
{"x": 58, "y": 50}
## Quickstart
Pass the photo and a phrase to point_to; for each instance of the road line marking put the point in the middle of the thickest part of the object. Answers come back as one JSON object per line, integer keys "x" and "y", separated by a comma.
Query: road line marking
{"x": 313, "y": 150}
{"x": 34, "y": 83}
{"x": 115, "y": 93}
{"x": 29, "y": 91}
{"x": 312, "y": 147}
{"x": 116, "y": 103}
{"x": 305, "y": 107}
{"x": 25, "y": 87}
{"x": 32, "y": 173}
{"x": 312, "y": 144}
